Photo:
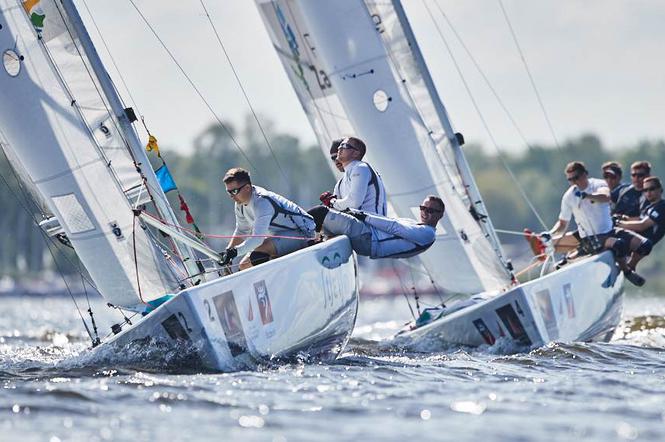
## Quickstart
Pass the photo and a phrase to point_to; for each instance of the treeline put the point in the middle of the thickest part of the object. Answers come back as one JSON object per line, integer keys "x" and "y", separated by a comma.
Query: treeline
{"x": 302, "y": 173}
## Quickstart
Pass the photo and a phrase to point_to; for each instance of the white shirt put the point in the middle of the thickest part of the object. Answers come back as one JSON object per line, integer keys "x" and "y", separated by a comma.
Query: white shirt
{"x": 357, "y": 191}
{"x": 592, "y": 217}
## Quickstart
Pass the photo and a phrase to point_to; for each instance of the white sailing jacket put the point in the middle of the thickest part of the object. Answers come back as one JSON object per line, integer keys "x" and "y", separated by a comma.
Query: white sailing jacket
{"x": 360, "y": 188}
{"x": 268, "y": 213}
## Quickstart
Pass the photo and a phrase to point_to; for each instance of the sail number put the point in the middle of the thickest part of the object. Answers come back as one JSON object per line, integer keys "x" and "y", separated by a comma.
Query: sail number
{"x": 321, "y": 77}
{"x": 378, "y": 23}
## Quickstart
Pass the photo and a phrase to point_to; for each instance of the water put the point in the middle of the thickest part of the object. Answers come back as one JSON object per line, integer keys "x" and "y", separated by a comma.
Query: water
{"x": 53, "y": 391}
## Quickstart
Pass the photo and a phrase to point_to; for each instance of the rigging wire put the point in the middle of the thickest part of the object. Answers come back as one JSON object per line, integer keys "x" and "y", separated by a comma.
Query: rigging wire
{"x": 110, "y": 54}
{"x": 244, "y": 93}
{"x": 500, "y": 154}
{"x": 194, "y": 86}
{"x": 528, "y": 71}
{"x": 96, "y": 341}
{"x": 484, "y": 76}
{"x": 404, "y": 290}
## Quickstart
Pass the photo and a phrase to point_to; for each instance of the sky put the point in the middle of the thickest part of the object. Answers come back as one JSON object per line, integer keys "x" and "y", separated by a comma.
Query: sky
{"x": 598, "y": 67}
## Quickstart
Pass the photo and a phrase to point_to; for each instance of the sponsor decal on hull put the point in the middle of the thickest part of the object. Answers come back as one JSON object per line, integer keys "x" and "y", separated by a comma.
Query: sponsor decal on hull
{"x": 227, "y": 311}
{"x": 484, "y": 331}
{"x": 175, "y": 329}
{"x": 263, "y": 299}
{"x": 513, "y": 324}
{"x": 544, "y": 304}
{"x": 570, "y": 302}
{"x": 250, "y": 311}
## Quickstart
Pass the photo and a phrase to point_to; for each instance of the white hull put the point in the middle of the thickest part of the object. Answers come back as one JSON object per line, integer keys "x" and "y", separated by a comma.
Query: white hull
{"x": 580, "y": 302}
{"x": 303, "y": 304}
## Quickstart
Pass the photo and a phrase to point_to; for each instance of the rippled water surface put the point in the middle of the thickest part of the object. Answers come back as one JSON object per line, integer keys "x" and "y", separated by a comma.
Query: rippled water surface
{"x": 52, "y": 390}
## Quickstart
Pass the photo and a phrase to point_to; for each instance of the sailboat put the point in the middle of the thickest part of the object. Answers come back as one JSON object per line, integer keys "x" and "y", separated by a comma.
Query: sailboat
{"x": 357, "y": 70}
{"x": 68, "y": 134}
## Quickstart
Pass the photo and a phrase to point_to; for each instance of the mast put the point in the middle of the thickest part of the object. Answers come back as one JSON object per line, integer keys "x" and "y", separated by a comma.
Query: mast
{"x": 463, "y": 166}
{"x": 132, "y": 141}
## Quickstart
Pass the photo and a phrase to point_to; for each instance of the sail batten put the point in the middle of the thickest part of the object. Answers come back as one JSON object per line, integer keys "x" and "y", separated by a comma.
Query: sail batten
{"x": 354, "y": 59}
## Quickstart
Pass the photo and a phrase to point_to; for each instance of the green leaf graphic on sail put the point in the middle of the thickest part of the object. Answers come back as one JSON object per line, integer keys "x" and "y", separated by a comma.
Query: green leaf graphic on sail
{"x": 46, "y": 18}
{"x": 36, "y": 13}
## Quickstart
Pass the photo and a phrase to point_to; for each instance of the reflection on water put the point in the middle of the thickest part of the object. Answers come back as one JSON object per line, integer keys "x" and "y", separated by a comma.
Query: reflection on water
{"x": 52, "y": 389}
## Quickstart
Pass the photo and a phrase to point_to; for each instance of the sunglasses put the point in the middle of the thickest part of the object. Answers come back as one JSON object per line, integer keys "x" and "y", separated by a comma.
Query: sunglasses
{"x": 650, "y": 189}
{"x": 347, "y": 146}
{"x": 638, "y": 175}
{"x": 234, "y": 192}
{"x": 429, "y": 210}
{"x": 573, "y": 178}
{"x": 609, "y": 175}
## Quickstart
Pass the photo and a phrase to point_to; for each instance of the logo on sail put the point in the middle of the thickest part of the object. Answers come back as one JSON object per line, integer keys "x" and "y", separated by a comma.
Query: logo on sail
{"x": 37, "y": 16}
{"x": 262, "y": 298}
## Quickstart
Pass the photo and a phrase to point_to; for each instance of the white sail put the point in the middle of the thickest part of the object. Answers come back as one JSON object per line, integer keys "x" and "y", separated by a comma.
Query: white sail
{"x": 356, "y": 72}
{"x": 58, "y": 124}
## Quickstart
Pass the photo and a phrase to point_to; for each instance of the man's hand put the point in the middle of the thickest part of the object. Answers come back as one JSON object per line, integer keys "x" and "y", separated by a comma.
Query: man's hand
{"x": 227, "y": 256}
{"x": 358, "y": 214}
{"x": 326, "y": 198}
{"x": 546, "y": 235}
{"x": 616, "y": 219}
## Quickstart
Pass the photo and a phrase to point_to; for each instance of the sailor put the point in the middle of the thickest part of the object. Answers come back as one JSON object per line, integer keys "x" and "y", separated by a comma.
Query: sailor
{"x": 652, "y": 223}
{"x": 275, "y": 225}
{"x": 612, "y": 173}
{"x": 360, "y": 188}
{"x": 587, "y": 200}
{"x": 334, "y": 147}
{"x": 631, "y": 202}
{"x": 381, "y": 237}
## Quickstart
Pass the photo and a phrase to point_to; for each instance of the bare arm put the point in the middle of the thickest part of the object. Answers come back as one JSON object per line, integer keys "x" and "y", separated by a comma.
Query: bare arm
{"x": 602, "y": 196}
{"x": 559, "y": 227}
{"x": 637, "y": 225}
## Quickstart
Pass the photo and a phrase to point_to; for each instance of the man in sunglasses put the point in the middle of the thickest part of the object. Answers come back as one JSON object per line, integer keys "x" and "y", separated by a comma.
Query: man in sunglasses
{"x": 632, "y": 202}
{"x": 360, "y": 188}
{"x": 612, "y": 173}
{"x": 334, "y": 148}
{"x": 652, "y": 223}
{"x": 587, "y": 200}
{"x": 267, "y": 224}
{"x": 381, "y": 237}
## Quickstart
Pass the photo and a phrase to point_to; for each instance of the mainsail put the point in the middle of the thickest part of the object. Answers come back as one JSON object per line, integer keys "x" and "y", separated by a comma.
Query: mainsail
{"x": 59, "y": 124}
{"x": 357, "y": 69}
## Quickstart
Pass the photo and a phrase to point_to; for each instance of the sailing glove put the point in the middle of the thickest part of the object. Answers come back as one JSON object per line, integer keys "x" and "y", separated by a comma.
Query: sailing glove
{"x": 227, "y": 256}
{"x": 326, "y": 198}
{"x": 546, "y": 235}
